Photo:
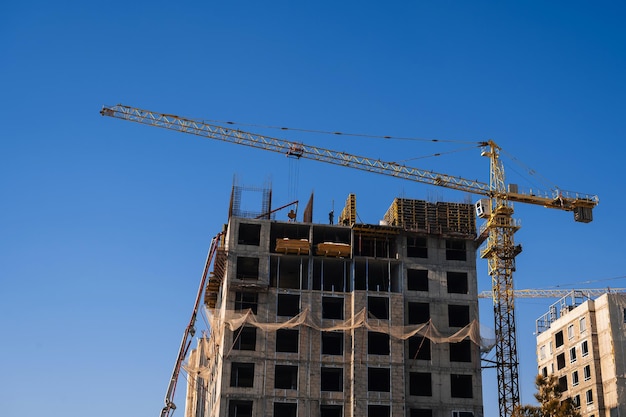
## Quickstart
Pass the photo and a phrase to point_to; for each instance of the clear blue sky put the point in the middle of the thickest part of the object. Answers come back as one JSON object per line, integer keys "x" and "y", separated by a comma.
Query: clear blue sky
{"x": 105, "y": 224}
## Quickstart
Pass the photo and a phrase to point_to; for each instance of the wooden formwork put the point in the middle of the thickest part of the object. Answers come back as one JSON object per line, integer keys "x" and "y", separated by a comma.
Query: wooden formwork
{"x": 431, "y": 217}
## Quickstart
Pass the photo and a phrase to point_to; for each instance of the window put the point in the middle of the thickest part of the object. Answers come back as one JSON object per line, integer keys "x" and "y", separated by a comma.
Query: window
{"x": 246, "y": 300}
{"x": 542, "y": 352}
{"x": 285, "y": 409}
{"x": 378, "y": 379}
{"x": 241, "y": 374}
{"x": 377, "y": 343}
{"x": 332, "y": 343}
{"x": 563, "y": 383}
{"x": 288, "y": 305}
{"x": 418, "y": 313}
{"x": 417, "y": 247}
{"x": 572, "y": 354}
{"x": 285, "y": 377}
{"x": 457, "y": 282}
{"x": 332, "y": 308}
{"x": 419, "y": 412}
{"x": 560, "y": 361}
{"x": 462, "y": 414}
{"x": 287, "y": 340}
{"x": 420, "y": 384}
{"x": 570, "y": 331}
{"x": 247, "y": 268}
{"x": 455, "y": 250}
{"x": 574, "y": 378}
{"x": 461, "y": 386}
{"x": 331, "y": 411}
{"x": 558, "y": 338}
{"x": 238, "y": 408}
{"x": 458, "y": 316}
{"x": 461, "y": 351}
{"x": 419, "y": 348}
{"x": 417, "y": 279}
{"x": 249, "y": 234}
{"x": 582, "y": 325}
{"x": 244, "y": 338}
{"x": 584, "y": 348}
{"x": 544, "y": 372}
{"x": 576, "y": 401}
{"x": 587, "y": 372}
{"x": 331, "y": 379}
{"x": 589, "y": 397}
{"x": 378, "y": 307}
{"x": 378, "y": 411}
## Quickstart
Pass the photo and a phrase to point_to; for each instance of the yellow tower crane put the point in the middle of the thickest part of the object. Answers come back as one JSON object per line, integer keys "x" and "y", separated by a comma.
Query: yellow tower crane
{"x": 496, "y": 208}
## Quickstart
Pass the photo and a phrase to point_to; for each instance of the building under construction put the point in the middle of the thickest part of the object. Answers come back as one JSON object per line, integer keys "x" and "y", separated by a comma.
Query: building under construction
{"x": 341, "y": 319}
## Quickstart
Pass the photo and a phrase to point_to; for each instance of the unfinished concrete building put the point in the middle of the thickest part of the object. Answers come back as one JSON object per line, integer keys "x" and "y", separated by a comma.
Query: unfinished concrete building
{"x": 583, "y": 342}
{"x": 342, "y": 320}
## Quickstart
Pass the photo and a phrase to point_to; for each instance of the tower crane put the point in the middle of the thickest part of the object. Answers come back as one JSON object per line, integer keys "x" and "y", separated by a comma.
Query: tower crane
{"x": 496, "y": 207}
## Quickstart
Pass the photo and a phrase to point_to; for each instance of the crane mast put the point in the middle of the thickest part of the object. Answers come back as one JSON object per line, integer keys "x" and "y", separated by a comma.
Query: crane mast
{"x": 500, "y": 252}
{"x": 497, "y": 209}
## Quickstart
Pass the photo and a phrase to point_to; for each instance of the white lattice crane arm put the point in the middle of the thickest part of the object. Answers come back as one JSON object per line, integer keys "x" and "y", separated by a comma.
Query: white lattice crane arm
{"x": 554, "y": 199}
{"x": 554, "y": 293}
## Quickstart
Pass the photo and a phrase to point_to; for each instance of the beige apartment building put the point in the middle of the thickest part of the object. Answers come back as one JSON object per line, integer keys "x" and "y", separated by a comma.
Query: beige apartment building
{"x": 342, "y": 320}
{"x": 583, "y": 342}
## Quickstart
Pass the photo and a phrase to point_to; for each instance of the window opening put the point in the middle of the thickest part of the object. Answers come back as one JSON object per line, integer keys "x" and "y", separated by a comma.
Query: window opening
{"x": 576, "y": 401}
{"x": 461, "y": 351}
{"x": 572, "y": 355}
{"x": 418, "y": 313}
{"x": 584, "y": 348}
{"x": 332, "y": 308}
{"x": 417, "y": 279}
{"x": 238, "y": 408}
{"x": 331, "y": 411}
{"x": 582, "y": 325}
{"x": 416, "y": 247}
{"x": 288, "y": 305}
{"x": 244, "y": 338}
{"x": 287, "y": 340}
{"x": 378, "y": 277}
{"x": 285, "y": 409}
{"x": 455, "y": 250}
{"x": 331, "y": 379}
{"x": 378, "y": 307}
{"x": 420, "y": 384}
{"x": 332, "y": 343}
{"x": 378, "y": 411}
{"x": 247, "y": 268}
{"x": 587, "y": 372}
{"x": 419, "y": 348}
{"x": 249, "y": 234}
{"x": 458, "y": 315}
{"x": 420, "y": 412}
{"x": 286, "y": 377}
{"x": 246, "y": 300}
{"x": 570, "y": 331}
{"x": 377, "y": 343}
{"x": 589, "y": 397}
{"x": 457, "y": 283}
{"x": 378, "y": 379}
{"x": 574, "y": 378}
{"x": 461, "y": 386}
{"x": 558, "y": 338}
{"x": 241, "y": 374}
{"x": 289, "y": 272}
{"x": 560, "y": 361}
{"x": 563, "y": 383}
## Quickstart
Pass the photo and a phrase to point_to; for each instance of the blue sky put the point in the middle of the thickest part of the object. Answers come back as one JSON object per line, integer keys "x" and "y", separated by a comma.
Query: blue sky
{"x": 105, "y": 224}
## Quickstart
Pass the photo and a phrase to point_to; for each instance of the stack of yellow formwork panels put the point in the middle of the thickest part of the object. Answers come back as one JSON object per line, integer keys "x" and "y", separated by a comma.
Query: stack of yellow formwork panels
{"x": 293, "y": 246}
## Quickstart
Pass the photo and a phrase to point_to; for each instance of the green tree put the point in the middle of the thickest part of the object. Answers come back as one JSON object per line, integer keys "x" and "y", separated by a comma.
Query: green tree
{"x": 550, "y": 402}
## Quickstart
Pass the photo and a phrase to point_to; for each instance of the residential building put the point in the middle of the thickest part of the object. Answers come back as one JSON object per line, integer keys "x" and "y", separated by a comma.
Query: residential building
{"x": 583, "y": 342}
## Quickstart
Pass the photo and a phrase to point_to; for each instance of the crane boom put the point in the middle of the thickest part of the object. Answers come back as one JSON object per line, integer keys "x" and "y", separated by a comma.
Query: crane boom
{"x": 555, "y": 293}
{"x": 500, "y": 250}
{"x": 559, "y": 199}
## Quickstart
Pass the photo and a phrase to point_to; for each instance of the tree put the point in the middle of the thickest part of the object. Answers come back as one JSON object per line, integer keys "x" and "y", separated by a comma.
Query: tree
{"x": 550, "y": 402}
